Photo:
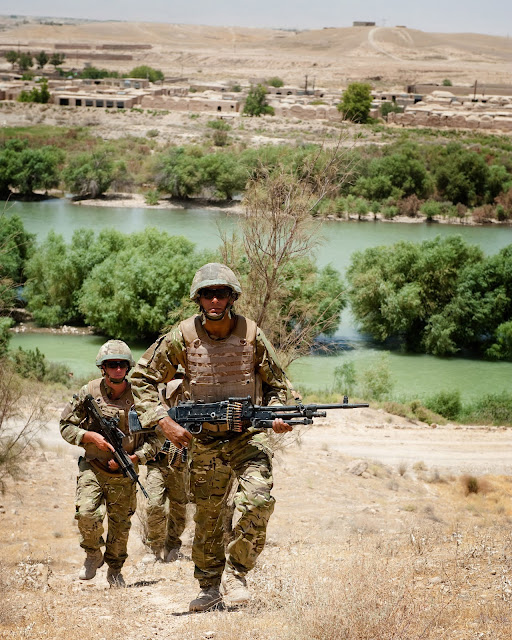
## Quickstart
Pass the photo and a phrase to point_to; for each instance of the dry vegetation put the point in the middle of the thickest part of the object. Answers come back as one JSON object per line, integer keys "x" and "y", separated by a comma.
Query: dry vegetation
{"x": 403, "y": 551}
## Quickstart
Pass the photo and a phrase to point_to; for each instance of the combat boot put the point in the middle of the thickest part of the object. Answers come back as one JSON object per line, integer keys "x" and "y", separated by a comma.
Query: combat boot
{"x": 152, "y": 556}
{"x": 207, "y": 598}
{"x": 115, "y": 578}
{"x": 93, "y": 561}
{"x": 234, "y": 588}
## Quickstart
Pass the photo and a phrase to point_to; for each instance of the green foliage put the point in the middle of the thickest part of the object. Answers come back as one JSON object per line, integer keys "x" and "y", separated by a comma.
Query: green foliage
{"x": 25, "y": 61}
{"x": 42, "y": 59}
{"x": 494, "y": 408}
{"x": 89, "y": 174}
{"x": 143, "y": 71}
{"x": 390, "y": 107}
{"x": 93, "y": 73}
{"x": 431, "y": 209}
{"x": 462, "y": 175}
{"x": 447, "y": 82}
{"x": 11, "y": 56}
{"x": 396, "y": 290}
{"x": 223, "y": 175}
{"x": 57, "y": 59}
{"x": 41, "y": 94}
{"x": 345, "y": 378}
{"x": 376, "y": 381}
{"x": 16, "y": 246}
{"x": 34, "y": 365}
{"x": 256, "y": 102}
{"x": 152, "y": 197}
{"x": 156, "y": 273}
{"x": 56, "y": 273}
{"x": 28, "y": 169}
{"x": 356, "y": 102}
{"x": 275, "y": 82}
{"x": 178, "y": 172}
{"x": 5, "y": 335}
{"x": 446, "y": 403}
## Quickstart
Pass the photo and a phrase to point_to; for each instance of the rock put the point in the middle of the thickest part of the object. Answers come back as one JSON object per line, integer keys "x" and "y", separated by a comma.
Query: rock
{"x": 357, "y": 467}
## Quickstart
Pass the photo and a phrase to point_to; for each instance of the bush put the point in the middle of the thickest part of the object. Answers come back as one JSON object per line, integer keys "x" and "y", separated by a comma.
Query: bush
{"x": 33, "y": 364}
{"x": 493, "y": 408}
{"x": 483, "y": 214}
{"x": 356, "y": 102}
{"x": 345, "y": 378}
{"x": 431, "y": 209}
{"x": 275, "y": 82}
{"x": 256, "y": 103}
{"x": 446, "y": 403}
{"x": 143, "y": 71}
{"x": 152, "y": 197}
{"x": 409, "y": 206}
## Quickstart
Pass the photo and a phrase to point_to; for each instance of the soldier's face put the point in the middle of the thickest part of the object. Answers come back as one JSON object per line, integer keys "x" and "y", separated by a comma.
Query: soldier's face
{"x": 116, "y": 370}
{"x": 215, "y": 300}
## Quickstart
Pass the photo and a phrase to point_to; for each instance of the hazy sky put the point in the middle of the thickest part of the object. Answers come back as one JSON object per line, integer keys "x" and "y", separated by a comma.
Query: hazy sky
{"x": 477, "y": 16}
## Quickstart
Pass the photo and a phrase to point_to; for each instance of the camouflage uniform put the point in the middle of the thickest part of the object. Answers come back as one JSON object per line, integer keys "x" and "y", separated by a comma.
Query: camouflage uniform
{"x": 99, "y": 490}
{"x": 166, "y": 480}
{"x": 214, "y": 454}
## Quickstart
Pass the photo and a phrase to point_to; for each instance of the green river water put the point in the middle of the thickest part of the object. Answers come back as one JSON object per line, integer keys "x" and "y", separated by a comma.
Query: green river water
{"x": 413, "y": 375}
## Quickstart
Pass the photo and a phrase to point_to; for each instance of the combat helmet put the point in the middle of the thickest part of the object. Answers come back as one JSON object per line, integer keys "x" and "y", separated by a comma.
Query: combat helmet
{"x": 114, "y": 350}
{"x": 214, "y": 274}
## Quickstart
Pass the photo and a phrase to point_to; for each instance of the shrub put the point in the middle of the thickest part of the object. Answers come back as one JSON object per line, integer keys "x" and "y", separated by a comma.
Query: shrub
{"x": 345, "y": 378}
{"x": 430, "y": 209}
{"x": 409, "y": 206}
{"x": 356, "y": 102}
{"x": 152, "y": 197}
{"x": 275, "y": 82}
{"x": 485, "y": 213}
{"x": 446, "y": 403}
{"x": 33, "y": 364}
{"x": 493, "y": 408}
{"x": 152, "y": 133}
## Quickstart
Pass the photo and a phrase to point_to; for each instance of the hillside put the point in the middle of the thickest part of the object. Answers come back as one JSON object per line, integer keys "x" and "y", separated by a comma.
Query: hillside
{"x": 388, "y": 55}
{"x": 388, "y": 544}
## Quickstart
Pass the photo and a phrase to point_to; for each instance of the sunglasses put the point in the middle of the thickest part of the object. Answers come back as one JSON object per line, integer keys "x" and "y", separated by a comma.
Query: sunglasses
{"x": 220, "y": 294}
{"x": 117, "y": 364}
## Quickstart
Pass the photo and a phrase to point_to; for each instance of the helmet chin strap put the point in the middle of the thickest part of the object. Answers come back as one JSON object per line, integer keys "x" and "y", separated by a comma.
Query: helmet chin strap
{"x": 220, "y": 317}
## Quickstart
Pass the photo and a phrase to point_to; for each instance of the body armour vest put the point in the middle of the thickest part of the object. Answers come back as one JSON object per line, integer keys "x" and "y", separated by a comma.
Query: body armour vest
{"x": 110, "y": 408}
{"x": 221, "y": 369}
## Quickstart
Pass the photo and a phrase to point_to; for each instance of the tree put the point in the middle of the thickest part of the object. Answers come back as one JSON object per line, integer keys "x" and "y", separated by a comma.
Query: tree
{"x": 131, "y": 294}
{"x": 25, "y": 61}
{"x": 179, "y": 172}
{"x": 12, "y": 56}
{"x": 89, "y": 175}
{"x": 143, "y": 71}
{"x": 284, "y": 291}
{"x": 256, "y": 102}
{"x": 462, "y": 175}
{"x": 41, "y": 94}
{"x": 56, "y": 273}
{"x": 38, "y": 169}
{"x": 224, "y": 174}
{"x": 397, "y": 290}
{"x": 356, "y": 102}
{"x": 57, "y": 59}
{"x": 42, "y": 59}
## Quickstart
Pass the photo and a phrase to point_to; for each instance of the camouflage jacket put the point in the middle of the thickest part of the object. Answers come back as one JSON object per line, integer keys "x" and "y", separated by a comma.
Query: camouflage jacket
{"x": 74, "y": 423}
{"x": 160, "y": 363}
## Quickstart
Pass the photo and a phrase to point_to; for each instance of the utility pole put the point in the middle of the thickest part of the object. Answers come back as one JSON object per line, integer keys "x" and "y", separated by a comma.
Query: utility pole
{"x": 306, "y": 85}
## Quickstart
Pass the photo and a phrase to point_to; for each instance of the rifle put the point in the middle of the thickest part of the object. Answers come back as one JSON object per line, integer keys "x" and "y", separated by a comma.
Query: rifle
{"x": 241, "y": 413}
{"x": 109, "y": 429}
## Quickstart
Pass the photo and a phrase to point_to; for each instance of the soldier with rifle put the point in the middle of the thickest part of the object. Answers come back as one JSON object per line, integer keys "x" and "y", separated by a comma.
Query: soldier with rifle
{"x": 224, "y": 356}
{"x": 97, "y": 420}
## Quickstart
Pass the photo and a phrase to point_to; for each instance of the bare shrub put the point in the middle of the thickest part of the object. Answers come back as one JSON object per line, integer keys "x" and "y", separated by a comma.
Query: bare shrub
{"x": 22, "y": 417}
{"x": 485, "y": 213}
{"x": 409, "y": 206}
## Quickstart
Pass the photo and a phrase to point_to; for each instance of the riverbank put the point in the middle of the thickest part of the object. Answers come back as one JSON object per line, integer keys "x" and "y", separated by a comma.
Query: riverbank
{"x": 138, "y": 201}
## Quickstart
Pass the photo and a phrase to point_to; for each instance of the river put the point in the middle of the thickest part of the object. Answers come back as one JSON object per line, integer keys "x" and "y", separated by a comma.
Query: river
{"x": 413, "y": 375}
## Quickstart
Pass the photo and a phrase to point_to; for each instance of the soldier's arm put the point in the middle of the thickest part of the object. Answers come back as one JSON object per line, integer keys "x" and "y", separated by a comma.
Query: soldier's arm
{"x": 158, "y": 365}
{"x": 72, "y": 418}
{"x": 150, "y": 445}
{"x": 273, "y": 376}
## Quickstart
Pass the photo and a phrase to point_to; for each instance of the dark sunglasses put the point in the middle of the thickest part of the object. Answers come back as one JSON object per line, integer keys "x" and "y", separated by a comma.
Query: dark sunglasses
{"x": 117, "y": 364}
{"x": 220, "y": 294}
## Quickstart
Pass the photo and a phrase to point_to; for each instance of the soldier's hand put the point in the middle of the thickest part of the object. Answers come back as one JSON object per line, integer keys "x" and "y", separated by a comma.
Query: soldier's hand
{"x": 179, "y": 436}
{"x": 280, "y": 426}
{"x": 113, "y": 465}
{"x": 91, "y": 437}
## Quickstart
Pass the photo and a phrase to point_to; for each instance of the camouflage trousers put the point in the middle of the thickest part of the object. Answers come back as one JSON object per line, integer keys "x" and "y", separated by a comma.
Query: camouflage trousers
{"x": 166, "y": 487}
{"x": 99, "y": 494}
{"x": 212, "y": 462}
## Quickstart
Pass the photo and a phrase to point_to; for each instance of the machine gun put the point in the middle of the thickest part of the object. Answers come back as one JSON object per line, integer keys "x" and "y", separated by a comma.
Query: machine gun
{"x": 241, "y": 413}
{"x": 109, "y": 429}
